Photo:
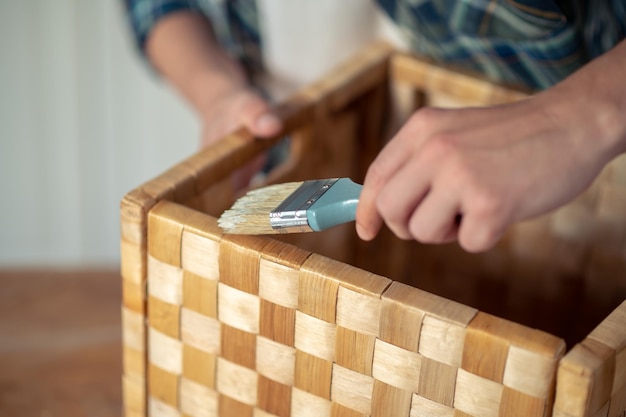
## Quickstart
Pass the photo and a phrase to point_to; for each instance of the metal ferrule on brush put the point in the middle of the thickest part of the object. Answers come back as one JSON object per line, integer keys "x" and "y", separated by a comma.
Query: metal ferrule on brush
{"x": 291, "y": 214}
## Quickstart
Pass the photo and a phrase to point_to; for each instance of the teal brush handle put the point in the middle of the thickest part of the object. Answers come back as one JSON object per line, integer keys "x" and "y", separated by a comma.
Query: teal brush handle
{"x": 336, "y": 206}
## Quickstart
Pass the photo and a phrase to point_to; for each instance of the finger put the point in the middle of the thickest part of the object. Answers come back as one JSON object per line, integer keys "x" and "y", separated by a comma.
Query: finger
{"x": 402, "y": 195}
{"x": 435, "y": 219}
{"x": 256, "y": 115}
{"x": 391, "y": 158}
{"x": 478, "y": 233}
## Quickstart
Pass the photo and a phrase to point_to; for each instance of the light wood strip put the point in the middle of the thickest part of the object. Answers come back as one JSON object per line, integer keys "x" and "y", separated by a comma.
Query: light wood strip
{"x": 238, "y": 309}
{"x": 278, "y": 278}
{"x": 157, "y": 408}
{"x": 132, "y": 265}
{"x": 133, "y": 215}
{"x": 530, "y": 373}
{"x": 275, "y": 361}
{"x": 165, "y": 281}
{"x": 278, "y": 284}
{"x": 200, "y": 255}
{"x": 352, "y": 389}
{"x": 585, "y": 378}
{"x": 200, "y": 331}
{"x": 304, "y": 404}
{"x": 134, "y": 394}
{"x": 133, "y": 330}
{"x": 397, "y": 367}
{"x": 237, "y": 382}
{"x": 197, "y": 400}
{"x": 315, "y": 336}
{"x": 477, "y": 396}
{"x": 165, "y": 352}
{"x": 423, "y": 407}
{"x": 442, "y": 341}
{"x": 358, "y": 312}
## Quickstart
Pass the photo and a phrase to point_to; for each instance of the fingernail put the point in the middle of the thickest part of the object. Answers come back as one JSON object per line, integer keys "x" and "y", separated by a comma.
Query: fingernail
{"x": 268, "y": 123}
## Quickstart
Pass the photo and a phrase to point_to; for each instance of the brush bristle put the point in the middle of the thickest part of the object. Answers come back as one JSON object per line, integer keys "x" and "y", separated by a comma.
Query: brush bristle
{"x": 250, "y": 214}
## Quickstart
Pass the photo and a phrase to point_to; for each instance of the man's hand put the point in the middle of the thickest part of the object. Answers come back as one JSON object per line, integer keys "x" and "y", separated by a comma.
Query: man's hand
{"x": 232, "y": 110}
{"x": 182, "y": 47}
{"x": 469, "y": 173}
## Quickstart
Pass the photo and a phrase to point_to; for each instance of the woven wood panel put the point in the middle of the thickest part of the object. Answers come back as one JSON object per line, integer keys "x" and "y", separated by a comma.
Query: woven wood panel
{"x": 249, "y": 326}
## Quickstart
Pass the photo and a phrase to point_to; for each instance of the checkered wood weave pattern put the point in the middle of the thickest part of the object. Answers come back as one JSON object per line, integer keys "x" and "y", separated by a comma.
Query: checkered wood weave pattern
{"x": 250, "y": 326}
{"x": 247, "y": 326}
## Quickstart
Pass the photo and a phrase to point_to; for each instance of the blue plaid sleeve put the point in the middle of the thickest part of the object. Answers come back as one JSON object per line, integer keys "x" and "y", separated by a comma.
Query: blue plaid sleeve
{"x": 234, "y": 23}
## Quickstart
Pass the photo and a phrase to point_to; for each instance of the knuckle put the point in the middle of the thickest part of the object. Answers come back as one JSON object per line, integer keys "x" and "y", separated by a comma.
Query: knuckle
{"x": 393, "y": 217}
{"x": 386, "y": 209}
{"x": 486, "y": 204}
{"x": 425, "y": 232}
{"x": 426, "y": 118}
{"x": 375, "y": 174}
{"x": 443, "y": 146}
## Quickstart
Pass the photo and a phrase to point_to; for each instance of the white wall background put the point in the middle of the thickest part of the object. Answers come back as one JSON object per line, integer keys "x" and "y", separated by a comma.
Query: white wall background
{"x": 82, "y": 121}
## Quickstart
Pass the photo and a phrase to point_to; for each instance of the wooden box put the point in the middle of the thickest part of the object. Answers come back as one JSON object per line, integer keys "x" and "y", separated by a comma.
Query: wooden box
{"x": 323, "y": 324}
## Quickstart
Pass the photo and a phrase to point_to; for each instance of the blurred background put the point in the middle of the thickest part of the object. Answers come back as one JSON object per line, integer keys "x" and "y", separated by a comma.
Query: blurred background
{"x": 83, "y": 120}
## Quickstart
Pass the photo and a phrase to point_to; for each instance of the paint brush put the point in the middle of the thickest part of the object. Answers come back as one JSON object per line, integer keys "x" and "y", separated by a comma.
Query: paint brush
{"x": 294, "y": 207}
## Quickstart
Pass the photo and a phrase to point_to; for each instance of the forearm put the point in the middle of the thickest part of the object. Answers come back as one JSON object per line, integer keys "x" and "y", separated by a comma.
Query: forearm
{"x": 183, "y": 49}
{"x": 594, "y": 99}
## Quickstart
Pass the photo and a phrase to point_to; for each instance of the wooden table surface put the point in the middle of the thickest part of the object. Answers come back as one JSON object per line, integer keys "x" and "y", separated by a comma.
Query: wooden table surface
{"x": 60, "y": 344}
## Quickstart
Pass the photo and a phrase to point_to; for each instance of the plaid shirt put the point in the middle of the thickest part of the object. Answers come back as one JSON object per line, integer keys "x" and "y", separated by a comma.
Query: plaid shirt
{"x": 530, "y": 42}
